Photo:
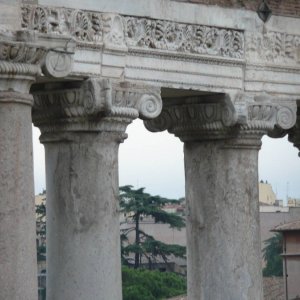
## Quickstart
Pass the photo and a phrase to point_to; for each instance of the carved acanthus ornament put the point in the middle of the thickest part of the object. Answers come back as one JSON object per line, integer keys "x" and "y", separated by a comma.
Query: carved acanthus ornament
{"x": 134, "y": 32}
{"x": 91, "y": 29}
{"x": 186, "y": 38}
{"x": 217, "y": 117}
{"x": 93, "y": 105}
{"x": 273, "y": 47}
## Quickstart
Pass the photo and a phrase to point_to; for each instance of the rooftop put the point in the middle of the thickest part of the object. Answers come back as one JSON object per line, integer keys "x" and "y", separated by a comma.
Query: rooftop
{"x": 292, "y": 226}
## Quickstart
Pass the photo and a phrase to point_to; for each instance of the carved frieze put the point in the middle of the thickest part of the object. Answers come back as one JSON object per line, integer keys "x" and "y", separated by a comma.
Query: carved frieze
{"x": 84, "y": 26}
{"x": 200, "y": 118}
{"x": 134, "y": 32}
{"x": 273, "y": 47}
{"x": 186, "y": 38}
{"x": 145, "y": 33}
{"x": 92, "y": 105}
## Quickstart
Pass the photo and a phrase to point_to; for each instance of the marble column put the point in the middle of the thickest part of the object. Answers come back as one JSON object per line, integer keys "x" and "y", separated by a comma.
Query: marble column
{"x": 82, "y": 125}
{"x": 19, "y": 65}
{"x": 221, "y": 144}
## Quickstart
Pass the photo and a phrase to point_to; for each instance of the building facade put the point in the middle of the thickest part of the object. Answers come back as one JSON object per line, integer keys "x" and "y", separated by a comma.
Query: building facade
{"x": 291, "y": 258}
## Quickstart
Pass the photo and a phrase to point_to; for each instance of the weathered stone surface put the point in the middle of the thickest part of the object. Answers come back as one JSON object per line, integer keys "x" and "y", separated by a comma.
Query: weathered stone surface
{"x": 222, "y": 139}
{"x": 19, "y": 66}
{"x": 223, "y": 222}
{"x": 10, "y": 15}
{"x": 18, "y": 278}
{"x": 179, "y": 45}
{"x": 282, "y": 8}
{"x": 83, "y": 238}
{"x": 82, "y": 124}
{"x": 17, "y": 226}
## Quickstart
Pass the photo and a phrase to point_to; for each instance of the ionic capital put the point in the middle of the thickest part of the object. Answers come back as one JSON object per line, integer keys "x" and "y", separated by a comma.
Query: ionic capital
{"x": 19, "y": 63}
{"x": 221, "y": 117}
{"x": 93, "y": 105}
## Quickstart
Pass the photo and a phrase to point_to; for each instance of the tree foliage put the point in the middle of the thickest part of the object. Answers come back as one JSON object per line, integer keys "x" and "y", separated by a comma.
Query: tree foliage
{"x": 271, "y": 254}
{"x": 40, "y": 210}
{"x": 137, "y": 205}
{"x": 143, "y": 284}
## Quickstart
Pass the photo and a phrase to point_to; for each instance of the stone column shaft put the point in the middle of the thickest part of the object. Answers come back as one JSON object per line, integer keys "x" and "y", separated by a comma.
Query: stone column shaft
{"x": 83, "y": 236}
{"x": 221, "y": 142}
{"x": 82, "y": 125}
{"x": 19, "y": 65}
{"x": 18, "y": 278}
{"x": 223, "y": 234}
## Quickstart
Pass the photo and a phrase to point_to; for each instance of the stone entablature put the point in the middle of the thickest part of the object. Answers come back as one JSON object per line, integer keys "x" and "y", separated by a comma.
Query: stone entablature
{"x": 133, "y": 32}
{"x": 172, "y": 53}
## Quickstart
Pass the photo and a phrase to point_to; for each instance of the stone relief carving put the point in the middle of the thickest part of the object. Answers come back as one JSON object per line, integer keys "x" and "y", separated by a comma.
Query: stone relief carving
{"x": 23, "y": 47}
{"x": 113, "y": 30}
{"x": 165, "y": 35}
{"x": 135, "y": 32}
{"x": 19, "y": 62}
{"x": 200, "y": 119}
{"x": 83, "y": 26}
{"x": 144, "y": 33}
{"x": 94, "y": 104}
{"x": 273, "y": 47}
{"x": 57, "y": 63}
{"x": 21, "y": 52}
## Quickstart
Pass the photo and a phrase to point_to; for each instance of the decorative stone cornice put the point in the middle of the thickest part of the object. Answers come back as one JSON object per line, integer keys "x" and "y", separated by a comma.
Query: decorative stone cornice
{"x": 93, "y": 105}
{"x": 216, "y": 117}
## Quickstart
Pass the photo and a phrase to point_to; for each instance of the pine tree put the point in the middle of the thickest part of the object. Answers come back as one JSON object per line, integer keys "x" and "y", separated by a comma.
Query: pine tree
{"x": 271, "y": 254}
{"x": 137, "y": 205}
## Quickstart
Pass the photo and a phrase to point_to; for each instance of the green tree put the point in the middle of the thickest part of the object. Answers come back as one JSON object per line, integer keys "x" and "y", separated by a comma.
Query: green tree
{"x": 137, "y": 205}
{"x": 40, "y": 210}
{"x": 143, "y": 284}
{"x": 271, "y": 254}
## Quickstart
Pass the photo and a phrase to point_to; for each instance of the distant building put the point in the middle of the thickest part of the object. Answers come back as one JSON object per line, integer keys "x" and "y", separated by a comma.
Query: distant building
{"x": 291, "y": 258}
{"x": 293, "y": 202}
{"x": 272, "y": 216}
{"x": 266, "y": 194}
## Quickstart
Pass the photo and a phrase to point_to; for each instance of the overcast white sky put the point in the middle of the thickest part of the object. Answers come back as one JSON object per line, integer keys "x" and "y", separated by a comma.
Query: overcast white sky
{"x": 155, "y": 161}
